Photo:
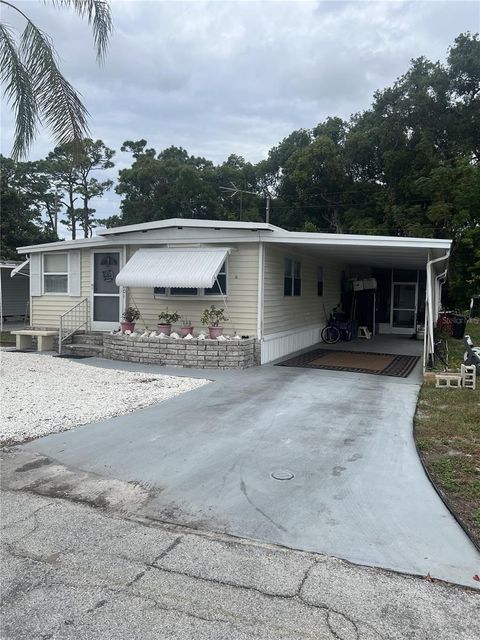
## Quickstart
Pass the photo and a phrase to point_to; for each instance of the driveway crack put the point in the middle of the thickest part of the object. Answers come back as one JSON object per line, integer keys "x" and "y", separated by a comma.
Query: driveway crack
{"x": 153, "y": 565}
{"x": 30, "y": 515}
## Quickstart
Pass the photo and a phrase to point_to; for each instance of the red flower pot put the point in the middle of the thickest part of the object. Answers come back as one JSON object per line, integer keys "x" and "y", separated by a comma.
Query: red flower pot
{"x": 164, "y": 328}
{"x": 184, "y": 331}
{"x": 214, "y": 332}
{"x": 127, "y": 326}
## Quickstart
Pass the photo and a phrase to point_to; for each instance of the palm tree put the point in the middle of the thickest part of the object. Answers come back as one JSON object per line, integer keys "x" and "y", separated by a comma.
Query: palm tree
{"x": 34, "y": 85}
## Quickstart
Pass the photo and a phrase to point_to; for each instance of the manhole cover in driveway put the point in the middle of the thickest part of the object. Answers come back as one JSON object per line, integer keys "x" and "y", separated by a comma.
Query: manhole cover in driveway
{"x": 282, "y": 474}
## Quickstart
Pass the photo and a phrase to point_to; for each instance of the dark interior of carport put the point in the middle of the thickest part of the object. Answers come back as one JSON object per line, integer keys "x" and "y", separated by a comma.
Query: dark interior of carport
{"x": 377, "y": 307}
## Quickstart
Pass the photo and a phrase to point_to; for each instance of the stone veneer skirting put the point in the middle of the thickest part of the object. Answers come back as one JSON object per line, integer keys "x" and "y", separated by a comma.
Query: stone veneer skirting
{"x": 220, "y": 354}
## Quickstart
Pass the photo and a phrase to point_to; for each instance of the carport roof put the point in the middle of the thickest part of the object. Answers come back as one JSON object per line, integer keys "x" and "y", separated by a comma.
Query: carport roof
{"x": 377, "y": 251}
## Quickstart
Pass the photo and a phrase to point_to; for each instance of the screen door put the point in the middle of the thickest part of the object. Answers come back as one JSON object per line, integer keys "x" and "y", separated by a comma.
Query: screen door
{"x": 106, "y": 294}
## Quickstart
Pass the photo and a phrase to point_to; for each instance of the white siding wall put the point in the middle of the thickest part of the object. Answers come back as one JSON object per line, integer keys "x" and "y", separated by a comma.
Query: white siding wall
{"x": 46, "y": 309}
{"x": 289, "y": 323}
{"x": 293, "y": 323}
{"x": 241, "y": 299}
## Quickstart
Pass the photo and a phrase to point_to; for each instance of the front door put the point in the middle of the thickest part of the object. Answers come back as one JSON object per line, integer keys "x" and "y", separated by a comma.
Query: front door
{"x": 106, "y": 303}
{"x": 404, "y": 307}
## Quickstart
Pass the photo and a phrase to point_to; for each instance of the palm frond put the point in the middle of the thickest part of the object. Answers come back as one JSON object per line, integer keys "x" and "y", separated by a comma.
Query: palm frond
{"x": 18, "y": 92}
{"x": 57, "y": 100}
{"x": 99, "y": 15}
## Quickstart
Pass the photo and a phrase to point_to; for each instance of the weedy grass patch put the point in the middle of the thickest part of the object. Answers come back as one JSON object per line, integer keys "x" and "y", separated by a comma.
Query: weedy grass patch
{"x": 447, "y": 429}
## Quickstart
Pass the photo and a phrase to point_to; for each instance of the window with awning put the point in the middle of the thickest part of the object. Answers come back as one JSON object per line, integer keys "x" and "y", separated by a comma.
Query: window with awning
{"x": 174, "y": 269}
{"x": 219, "y": 287}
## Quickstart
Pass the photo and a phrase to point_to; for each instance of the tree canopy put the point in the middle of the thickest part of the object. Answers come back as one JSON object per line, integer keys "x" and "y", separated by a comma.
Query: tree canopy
{"x": 37, "y": 196}
{"x": 174, "y": 184}
{"x": 25, "y": 198}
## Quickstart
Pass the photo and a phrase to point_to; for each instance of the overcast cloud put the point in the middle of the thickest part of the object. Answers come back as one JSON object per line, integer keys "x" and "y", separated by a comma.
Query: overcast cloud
{"x": 237, "y": 77}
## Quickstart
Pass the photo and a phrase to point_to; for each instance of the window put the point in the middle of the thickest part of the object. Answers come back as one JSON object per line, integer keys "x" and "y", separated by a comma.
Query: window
{"x": 219, "y": 287}
{"x": 320, "y": 281}
{"x": 292, "y": 281}
{"x": 55, "y": 273}
{"x": 220, "y": 284}
{"x": 183, "y": 291}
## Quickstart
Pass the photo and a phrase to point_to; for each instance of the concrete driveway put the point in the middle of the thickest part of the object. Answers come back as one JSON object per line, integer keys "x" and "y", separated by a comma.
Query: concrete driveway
{"x": 358, "y": 492}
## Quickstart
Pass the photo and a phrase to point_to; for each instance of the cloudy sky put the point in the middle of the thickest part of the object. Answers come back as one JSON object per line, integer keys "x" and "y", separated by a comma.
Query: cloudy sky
{"x": 237, "y": 77}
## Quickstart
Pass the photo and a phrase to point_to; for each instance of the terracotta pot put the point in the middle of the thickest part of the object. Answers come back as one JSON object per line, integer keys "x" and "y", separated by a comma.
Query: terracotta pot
{"x": 127, "y": 326}
{"x": 184, "y": 331}
{"x": 214, "y": 332}
{"x": 164, "y": 328}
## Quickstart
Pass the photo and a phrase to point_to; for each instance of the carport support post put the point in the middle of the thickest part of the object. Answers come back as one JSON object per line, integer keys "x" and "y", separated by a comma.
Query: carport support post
{"x": 260, "y": 298}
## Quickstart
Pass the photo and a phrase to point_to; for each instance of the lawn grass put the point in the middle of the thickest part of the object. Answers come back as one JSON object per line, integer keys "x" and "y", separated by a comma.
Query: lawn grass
{"x": 447, "y": 430}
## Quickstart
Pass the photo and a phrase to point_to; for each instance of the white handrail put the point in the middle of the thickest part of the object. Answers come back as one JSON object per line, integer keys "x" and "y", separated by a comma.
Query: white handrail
{"x": 73, "y": 320}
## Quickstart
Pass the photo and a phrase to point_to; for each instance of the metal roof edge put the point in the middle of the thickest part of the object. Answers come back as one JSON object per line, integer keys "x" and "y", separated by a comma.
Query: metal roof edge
{"x": 64, "y": 244}
{"x": 190, "y": 223}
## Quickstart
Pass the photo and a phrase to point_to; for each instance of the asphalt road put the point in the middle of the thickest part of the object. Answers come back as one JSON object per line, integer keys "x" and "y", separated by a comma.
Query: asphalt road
{"x": 72, "y": 572}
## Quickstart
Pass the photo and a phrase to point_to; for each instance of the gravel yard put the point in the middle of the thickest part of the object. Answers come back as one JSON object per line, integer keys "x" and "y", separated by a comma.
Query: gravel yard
{"x": 42, "y": 394}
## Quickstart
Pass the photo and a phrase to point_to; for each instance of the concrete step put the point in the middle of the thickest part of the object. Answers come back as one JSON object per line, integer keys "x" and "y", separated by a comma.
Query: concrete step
{"x": 90, "y": 333}
{"x": 88, "y": 338}
{"x": 83, "y": 349}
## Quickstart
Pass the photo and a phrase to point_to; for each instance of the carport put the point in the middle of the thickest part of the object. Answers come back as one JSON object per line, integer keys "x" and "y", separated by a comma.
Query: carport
{"x": 407, "y": 276}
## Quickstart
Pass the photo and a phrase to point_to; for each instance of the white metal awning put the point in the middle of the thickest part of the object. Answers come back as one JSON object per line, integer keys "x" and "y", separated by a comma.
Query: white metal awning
{"x": 19, "y": 268}
{"x": 187, "y": 267}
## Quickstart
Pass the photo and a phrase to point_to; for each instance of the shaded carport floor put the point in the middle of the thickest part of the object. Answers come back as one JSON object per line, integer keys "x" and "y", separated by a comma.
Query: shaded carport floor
{"x": 359, "y": 490}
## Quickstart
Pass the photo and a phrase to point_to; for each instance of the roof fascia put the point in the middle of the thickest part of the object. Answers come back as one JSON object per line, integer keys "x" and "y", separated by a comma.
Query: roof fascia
{"x": 359, "y": 241}
{"x": 81, "y": 243}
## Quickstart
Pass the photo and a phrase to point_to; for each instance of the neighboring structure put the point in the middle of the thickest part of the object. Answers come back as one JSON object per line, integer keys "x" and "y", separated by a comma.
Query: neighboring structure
{"x": 14, "y": 290}
{"x": 276, "y": 285}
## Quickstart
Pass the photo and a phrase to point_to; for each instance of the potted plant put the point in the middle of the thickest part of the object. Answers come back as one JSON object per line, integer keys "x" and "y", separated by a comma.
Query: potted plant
{"x": 166, "y": 319}
{"x": 211, "y": 318}
{"x": 130, "y": 315}
{"x": 186, "y": 327}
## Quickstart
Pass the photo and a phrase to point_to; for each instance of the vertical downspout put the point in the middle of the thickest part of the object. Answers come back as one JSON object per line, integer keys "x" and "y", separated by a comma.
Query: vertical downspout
{"x": 429, "y": 310}
{"x": 260, "y": 290}
{"x": 1, "y": 302}
{"x": 427, "y": 315}
{"x": 124, "y": 297}
{"x": 30, "y": 299}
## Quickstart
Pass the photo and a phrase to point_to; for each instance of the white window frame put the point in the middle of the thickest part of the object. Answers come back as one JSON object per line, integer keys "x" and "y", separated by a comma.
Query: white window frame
{"x": 200, "y": 291}
{"x": 56, "y": 273}
{"x": 293, "y": 260}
